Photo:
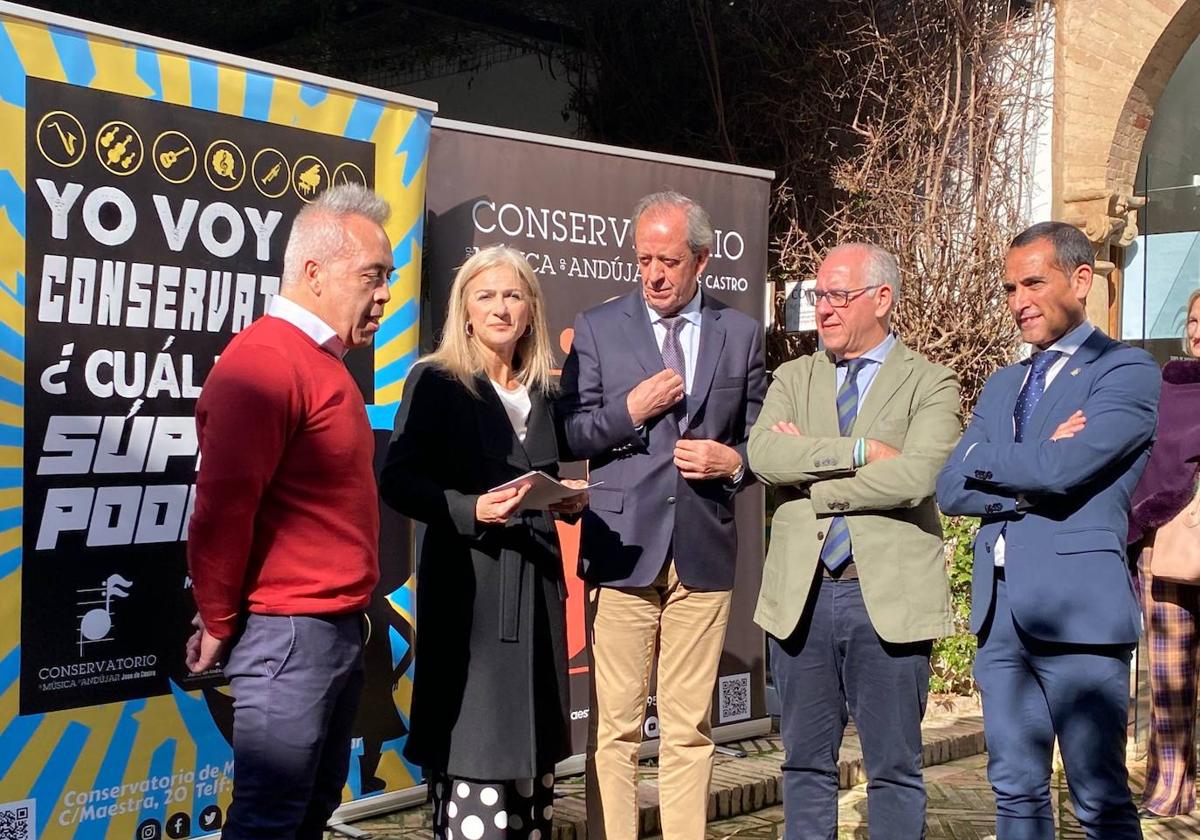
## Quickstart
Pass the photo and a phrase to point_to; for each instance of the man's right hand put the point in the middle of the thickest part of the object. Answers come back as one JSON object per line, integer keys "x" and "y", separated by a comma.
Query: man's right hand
{"x": 654, "y": 395}
{"x": 204, "y": 651}
{"x": 494, "y": 508}
{"x": 879, "y": 451}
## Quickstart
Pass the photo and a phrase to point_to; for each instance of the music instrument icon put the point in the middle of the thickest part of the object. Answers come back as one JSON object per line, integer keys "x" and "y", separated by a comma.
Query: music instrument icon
{"x": 170, "y": 158}
{"x": 61, "y": 138}
{"x": 174, "y": 156}
{"x": 309, "y": 177}
{"x": 119, "y": 147}
{"x": 67, "y": 138}
{"x": 270, "y": 172}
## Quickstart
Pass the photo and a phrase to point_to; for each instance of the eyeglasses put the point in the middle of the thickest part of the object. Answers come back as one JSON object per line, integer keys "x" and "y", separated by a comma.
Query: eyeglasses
{"x": 837, "y": 298}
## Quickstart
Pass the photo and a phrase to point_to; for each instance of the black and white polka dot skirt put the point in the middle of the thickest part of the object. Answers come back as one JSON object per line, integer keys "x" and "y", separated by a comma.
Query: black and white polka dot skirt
{"x": 468, "y": 809}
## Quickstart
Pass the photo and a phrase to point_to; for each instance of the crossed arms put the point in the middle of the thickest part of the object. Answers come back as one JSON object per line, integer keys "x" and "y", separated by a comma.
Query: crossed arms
{"x": 985, "y": 477}
{"x": 825, "y": 467}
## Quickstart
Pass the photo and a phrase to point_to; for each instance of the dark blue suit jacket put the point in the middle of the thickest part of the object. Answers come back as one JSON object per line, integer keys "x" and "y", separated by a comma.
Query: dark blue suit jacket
{"x": 1068, "y": 578}
{"x": 645, "y": 506}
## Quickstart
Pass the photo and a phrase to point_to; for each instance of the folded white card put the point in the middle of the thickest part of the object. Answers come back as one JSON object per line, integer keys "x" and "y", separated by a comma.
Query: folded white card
{"x": 544, "y": 490}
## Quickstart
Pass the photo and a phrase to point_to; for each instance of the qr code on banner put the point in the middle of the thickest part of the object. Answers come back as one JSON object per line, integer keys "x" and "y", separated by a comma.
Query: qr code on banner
{"x": 735, "y": 699}
{"x": 16, "y": 820}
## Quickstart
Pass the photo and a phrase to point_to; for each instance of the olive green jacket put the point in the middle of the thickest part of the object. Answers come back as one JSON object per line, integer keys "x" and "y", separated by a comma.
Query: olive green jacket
{"x": 912, "y": 405}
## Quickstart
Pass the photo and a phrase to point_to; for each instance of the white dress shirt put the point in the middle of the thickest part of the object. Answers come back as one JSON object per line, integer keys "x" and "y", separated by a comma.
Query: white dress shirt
{"x": 1067, "y": 345}
{"x": 867, "y": 373}
{"x": 307, "y": 322}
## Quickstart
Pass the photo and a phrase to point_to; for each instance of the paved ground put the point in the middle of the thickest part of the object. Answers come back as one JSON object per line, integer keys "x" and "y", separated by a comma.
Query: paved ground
{"x": 960, "y": 800}
{"x": 960, "y": 808}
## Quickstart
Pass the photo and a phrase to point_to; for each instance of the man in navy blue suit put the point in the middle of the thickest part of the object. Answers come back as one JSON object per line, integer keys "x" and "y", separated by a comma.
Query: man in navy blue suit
{"x": 1049, "y": 461}
{"x": 659, "y": 393}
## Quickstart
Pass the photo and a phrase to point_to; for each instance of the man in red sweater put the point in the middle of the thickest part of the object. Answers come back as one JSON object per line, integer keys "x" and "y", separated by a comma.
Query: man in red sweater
{"x": 283, "y": 542}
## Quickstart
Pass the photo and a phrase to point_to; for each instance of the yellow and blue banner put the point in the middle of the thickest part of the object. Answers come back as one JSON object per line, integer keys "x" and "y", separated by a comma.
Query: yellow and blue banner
{"x": 146, "y": 193}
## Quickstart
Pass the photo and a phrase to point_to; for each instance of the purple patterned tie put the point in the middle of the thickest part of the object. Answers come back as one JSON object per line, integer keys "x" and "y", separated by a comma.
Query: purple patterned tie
{"x": 672, "y": 356}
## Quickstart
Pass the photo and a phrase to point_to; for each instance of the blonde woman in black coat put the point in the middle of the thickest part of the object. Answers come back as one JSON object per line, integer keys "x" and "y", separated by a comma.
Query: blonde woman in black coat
{"x": 490, "y": 706}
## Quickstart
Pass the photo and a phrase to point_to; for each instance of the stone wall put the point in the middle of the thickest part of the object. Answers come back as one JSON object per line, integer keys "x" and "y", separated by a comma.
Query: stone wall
{"x": 1113, "y": 58}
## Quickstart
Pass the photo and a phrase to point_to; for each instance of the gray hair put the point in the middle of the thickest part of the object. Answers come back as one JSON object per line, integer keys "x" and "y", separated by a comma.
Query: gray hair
{"x": 699, "y": 225}
{"x": 318, "y": 228}
{"x": 879, "y": 266}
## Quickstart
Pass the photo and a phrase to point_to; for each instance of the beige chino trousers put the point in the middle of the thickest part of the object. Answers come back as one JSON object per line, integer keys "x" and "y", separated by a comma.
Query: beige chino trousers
{"x": 625, "y": 625}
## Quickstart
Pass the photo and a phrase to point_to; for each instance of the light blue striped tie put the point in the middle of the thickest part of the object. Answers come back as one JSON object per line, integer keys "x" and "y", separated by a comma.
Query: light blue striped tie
{"x": 837, "y": 550}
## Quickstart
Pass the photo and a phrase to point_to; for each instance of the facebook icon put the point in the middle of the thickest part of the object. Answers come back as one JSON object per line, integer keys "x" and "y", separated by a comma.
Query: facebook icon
{"x": 179, "y": 825}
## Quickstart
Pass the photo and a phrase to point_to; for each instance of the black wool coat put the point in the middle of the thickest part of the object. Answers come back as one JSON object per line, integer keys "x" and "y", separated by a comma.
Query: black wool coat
{"x": 490, "y": 698}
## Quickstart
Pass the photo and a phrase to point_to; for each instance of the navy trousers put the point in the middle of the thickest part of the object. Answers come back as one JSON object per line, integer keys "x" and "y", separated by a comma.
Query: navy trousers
{"x": 1034, "y": 691}
{"x": 296, "y": 682}
{"x": 833, "y": 666}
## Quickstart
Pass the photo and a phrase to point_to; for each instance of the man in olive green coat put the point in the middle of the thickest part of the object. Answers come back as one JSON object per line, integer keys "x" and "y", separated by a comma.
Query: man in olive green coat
{"x": 855, "y": 588}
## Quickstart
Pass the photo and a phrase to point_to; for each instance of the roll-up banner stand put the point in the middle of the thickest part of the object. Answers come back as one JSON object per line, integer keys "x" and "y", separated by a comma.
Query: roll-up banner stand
{"x": 566, "y": 204}
{"x": 146, "y": 192}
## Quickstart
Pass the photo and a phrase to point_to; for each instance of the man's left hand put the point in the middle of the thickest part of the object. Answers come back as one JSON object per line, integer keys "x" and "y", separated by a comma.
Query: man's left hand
{"x": 699, "y": 460}
{"x": 204, "y": 651}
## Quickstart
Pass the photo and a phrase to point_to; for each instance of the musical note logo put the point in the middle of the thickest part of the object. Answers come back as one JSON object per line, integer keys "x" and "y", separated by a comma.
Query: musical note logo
{"x": 96, "y": 624}
{"x": 224, "y": 165}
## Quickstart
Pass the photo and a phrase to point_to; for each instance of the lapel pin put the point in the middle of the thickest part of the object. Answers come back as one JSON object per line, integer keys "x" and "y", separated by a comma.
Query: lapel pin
{"x": 1075, "y": 372}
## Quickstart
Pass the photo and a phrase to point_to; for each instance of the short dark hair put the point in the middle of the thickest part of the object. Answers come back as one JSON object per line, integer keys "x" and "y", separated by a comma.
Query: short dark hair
{"x": 1072, "y": 248}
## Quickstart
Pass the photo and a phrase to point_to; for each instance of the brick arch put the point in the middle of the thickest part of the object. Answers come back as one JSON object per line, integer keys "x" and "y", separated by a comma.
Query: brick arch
{"x": 1113, "y": 59}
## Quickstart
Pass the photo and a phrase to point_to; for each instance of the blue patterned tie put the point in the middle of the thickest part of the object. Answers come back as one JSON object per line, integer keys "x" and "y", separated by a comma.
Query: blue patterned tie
{"x": 672, "y": 356}
{"x": 1032, "y": 390}
{"x": 837, "y": 551}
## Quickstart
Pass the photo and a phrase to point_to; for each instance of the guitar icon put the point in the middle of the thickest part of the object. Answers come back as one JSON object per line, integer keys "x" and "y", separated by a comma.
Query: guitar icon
{"x": 174, "y": 156}
{"x": 169, "y": 158}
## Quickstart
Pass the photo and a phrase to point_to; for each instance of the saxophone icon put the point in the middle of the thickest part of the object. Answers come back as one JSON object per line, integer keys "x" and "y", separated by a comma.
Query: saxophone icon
{"x": 61, "y": 138}
{"x": 95, "y": 624}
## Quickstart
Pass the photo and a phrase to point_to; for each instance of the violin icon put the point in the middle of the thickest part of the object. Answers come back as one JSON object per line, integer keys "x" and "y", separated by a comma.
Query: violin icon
{"x": 95, "y": 624}
{"x": 119, "y": 148}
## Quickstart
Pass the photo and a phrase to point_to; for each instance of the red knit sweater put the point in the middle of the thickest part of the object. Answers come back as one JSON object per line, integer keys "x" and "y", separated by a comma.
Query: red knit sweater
{"x": 286, "y": 520}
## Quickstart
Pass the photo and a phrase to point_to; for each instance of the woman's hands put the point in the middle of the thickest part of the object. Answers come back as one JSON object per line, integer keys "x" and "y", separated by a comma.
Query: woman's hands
{"x": 495, "y": 508}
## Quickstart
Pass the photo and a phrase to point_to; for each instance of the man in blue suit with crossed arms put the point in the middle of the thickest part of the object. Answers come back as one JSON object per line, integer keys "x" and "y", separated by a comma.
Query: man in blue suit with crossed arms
{"x": 1049, "y": 462}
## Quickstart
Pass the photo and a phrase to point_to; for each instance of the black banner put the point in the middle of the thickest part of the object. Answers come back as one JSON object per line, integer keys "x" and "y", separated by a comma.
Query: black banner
{"x": 567, "y": 209}
{"x": 155, "y": 232}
